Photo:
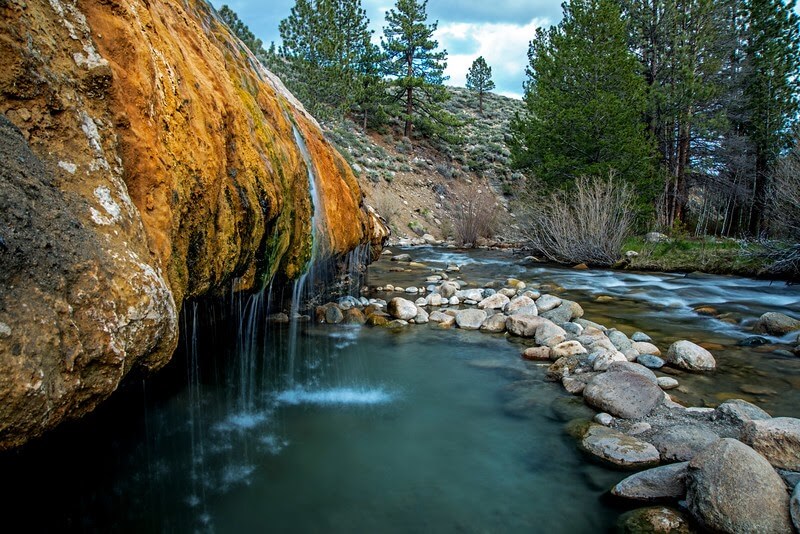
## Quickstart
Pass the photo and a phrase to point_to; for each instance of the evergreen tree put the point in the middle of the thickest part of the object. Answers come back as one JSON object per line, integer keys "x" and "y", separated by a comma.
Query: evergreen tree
{"x": 416, "y": 69}
{"x": 771, "y": 88}
{"x": 683, "y": 46}
{"x": 241, "y": 30}
{"x": 325, "y": 42}
{"x": 585, "y": 101}
{"x": 479, "y": 78}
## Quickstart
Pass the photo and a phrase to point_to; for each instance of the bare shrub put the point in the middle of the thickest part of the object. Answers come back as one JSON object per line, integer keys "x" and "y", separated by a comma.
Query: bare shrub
{"x": 783, "y": 255}
{"x": 475, "y": 216}
{"x": 785, "y": 212}
{"x": 586, "y": 224}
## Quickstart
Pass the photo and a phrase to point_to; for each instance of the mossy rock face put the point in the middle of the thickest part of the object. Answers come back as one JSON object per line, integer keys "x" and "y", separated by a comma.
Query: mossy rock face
{"x": 179, "y": 158}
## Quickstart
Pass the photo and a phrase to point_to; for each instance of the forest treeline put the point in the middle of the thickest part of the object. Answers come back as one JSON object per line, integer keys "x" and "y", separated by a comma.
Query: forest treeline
{"x": 691, "y": 103}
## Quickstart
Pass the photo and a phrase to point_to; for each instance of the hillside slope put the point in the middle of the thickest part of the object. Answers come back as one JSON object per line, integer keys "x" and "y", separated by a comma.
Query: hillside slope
{"x": 422, "y": 185}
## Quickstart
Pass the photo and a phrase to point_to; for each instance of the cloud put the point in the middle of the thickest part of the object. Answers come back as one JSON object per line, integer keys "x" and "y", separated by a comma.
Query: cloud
{"x": 504, "y": 46}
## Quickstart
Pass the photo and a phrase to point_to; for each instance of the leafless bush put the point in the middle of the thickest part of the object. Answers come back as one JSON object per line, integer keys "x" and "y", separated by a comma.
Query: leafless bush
{"x": 783, "y": 255}
{"x": 475, "y": 216}
{"x": 786, "y": 197}
{"x": 584, "y": 225}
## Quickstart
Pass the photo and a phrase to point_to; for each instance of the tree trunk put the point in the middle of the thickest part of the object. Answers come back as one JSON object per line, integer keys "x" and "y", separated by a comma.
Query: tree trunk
{"x": 409, "y": 95}
{"x": 684, "y": 138}
{"x": 480, "y": 102}
{"x": 759, "y": 194}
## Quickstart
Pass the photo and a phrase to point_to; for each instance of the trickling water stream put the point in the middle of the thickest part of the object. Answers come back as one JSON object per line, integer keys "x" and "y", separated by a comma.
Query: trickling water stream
{"x": 422, "y": 430}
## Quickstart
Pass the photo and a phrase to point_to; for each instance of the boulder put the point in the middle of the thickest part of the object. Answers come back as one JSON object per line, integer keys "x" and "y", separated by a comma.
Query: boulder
{"x": 470, "y": 319}
{"x": 443, "y": 320}
{"x": 568, "y": 311}
{"x": 526, "y": 310}
{"x": 631, "y": 367}
{"x": 567, "y": 348}
{"x": 470, "y": 294}
{"x": 603, "y": 359}
{"x": 550, "y": 334}
{"x": 686, "y": 355}
{"x": 354, "y": 316}
{"x": 524, "y": 325}
{"x": 653, "y": 520}
{"x": 434, "y": 299}
{"x": 572, "y": 329}
{"x": 519, "y": 302}
{"x": 400, "y": 308}
{"x": 507, "y": 292}
{"x": 620, "y": 340}
{"x": 776, "y": 439}
{"x": 615, "y": 447}
{"x": 333, "y": 314}
{"x": 650, "y": 361}
{"x": 536, "y": 354}
{"x": 739, "y": 412}
{"x": 448, "y": 289}
{"x": 682, "y": 442}
{"x": 645, "y": 347}
{"x": 498, "y": 301}
{"x": 731, "y": 488}
{"x": 656, "y": 237}
{"x": 422, "y": 316}
{"x": 776, "y": 324}
{"x": 564, "y": 366}
{"x": 794, "y": 507}
{"x": 667, "y": 383}
{"x": 547, "y": 302}
{"x": 659, "y": 483}
{"x": 494, "y": 324}
{"x": 623, "y": 394}
{"x": 641, "y": 337}
{"x": 402, "y": 257}
{"x": 396, "y": 324}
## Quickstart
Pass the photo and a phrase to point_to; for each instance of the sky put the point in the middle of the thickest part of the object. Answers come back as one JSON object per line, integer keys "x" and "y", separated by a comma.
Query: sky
{"x": 498, "y": 30}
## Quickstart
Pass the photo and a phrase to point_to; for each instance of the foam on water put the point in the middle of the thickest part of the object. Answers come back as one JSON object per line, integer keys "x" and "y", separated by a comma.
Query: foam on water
{"x": 335, "y": 397}
{"x": 241, "y": 421}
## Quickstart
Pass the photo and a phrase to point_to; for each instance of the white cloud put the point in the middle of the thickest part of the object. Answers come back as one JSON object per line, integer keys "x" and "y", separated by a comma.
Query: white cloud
{"x": 504, "y": 46}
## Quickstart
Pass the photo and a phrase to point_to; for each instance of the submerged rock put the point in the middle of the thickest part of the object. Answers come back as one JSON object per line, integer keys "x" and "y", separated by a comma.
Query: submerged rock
{"x": 623, "y": 394}
{"x": 617, "y": 448}
{"x": 653, "y": 520}
{"x": 731, "y": 488}
{"x": 660, "y": 483}
{"x": 470, "y": 319}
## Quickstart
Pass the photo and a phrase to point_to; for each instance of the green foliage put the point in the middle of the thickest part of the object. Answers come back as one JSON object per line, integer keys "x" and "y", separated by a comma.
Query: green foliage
{"x": 416, "y": 71}
{"x": 327, "y": 49}
{"x": 584, "y": 100}
{"x": 479, "y": 78}
{"x": 241, "y": 30}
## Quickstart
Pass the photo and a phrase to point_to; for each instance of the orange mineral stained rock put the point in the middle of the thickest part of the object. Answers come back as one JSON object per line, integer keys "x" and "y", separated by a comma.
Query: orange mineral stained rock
{"x": 165, "y": 142}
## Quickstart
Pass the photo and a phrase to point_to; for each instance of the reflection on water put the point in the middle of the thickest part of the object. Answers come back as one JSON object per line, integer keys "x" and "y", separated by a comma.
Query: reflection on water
{"x": 419, "y": 430}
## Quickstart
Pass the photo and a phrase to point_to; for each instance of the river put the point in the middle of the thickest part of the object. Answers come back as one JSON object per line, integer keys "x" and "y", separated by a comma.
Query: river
{"x": 380, "y": 431}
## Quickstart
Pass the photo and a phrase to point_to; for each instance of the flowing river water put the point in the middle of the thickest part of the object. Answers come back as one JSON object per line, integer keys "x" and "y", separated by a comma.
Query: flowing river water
{"x": 379, "y": 431}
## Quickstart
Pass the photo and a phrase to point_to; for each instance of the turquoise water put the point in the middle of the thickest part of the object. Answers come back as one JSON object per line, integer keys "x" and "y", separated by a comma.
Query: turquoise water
{"x": 423, "y": 430}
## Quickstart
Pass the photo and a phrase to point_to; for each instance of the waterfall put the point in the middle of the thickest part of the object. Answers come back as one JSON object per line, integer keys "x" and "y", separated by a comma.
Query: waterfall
{"x": 299, "y": 285}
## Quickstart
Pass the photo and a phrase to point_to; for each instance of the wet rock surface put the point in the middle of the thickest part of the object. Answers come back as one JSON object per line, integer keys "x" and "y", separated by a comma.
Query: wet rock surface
{"x": 731, "y": 488}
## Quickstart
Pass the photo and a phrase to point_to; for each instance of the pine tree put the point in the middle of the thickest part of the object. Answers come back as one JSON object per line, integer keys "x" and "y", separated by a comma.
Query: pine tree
{"x": 585, "y": 100}
{"x": 241, "y": 30}
{"x": 479, "y": 78}
{"x": 416, "y": 69}
{"x": 324, "y": 42}
{"x": 771, "y": 89}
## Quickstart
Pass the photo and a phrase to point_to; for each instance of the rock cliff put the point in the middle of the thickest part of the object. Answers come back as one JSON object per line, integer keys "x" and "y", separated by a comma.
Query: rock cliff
{"x": 145, "y": 157}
